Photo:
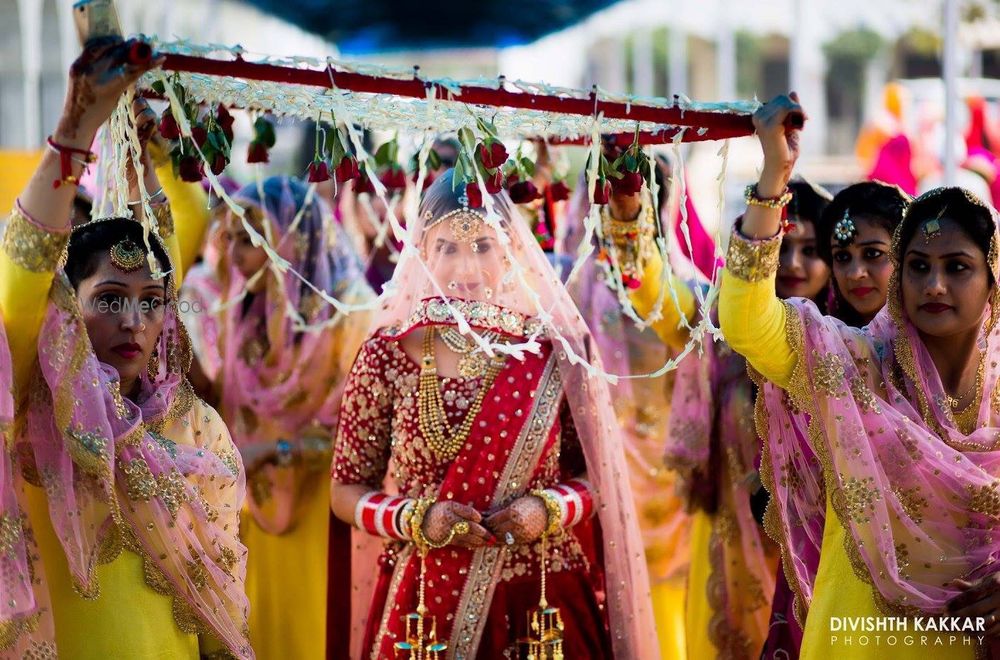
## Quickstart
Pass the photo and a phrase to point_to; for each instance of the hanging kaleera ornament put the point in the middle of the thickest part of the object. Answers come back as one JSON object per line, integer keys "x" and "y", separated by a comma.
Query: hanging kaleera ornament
{"x": 545, "y": 625}
{"x": 421, "y": 641}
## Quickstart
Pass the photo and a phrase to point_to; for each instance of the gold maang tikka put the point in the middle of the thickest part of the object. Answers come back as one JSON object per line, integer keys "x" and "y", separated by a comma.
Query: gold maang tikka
{"x": 127, "y": 256}
{"x": 932, "y": 228}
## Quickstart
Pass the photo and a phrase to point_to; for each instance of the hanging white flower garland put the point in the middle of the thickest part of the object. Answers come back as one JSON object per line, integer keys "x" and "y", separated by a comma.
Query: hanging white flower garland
{"x": 427, "y": 117}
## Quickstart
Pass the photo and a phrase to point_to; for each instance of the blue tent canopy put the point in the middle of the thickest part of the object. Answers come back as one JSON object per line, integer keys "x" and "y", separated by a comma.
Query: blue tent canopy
{"x": 365, "y": 26}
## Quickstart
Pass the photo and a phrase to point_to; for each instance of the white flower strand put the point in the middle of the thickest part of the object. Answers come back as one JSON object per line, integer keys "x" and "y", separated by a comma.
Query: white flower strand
{"x": 384, "y": 111}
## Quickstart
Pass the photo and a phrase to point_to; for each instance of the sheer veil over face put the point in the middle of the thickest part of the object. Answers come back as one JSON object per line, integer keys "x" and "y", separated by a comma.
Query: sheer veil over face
{"x": 491, "y": 257}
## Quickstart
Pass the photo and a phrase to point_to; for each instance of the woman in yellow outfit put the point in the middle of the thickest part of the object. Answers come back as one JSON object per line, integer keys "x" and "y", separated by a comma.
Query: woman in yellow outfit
{"x": 119, "y": 524}
{"x": 711, "y": 442}
{"x": 642, "y": 407}
{"x": 279, "y": 388}
{"x": 903, "y": 419}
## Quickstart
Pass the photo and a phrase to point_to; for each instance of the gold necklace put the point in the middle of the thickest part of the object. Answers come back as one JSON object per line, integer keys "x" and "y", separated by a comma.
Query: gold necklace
{"x": 473, "y": 363}
{"x": 954, "y": 402}
{"x": 433, "y": 421}
{"x": 967, "y": 418}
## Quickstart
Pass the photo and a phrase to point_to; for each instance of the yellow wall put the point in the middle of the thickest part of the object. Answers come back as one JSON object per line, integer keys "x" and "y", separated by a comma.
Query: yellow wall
{"x": 15, "y": 170}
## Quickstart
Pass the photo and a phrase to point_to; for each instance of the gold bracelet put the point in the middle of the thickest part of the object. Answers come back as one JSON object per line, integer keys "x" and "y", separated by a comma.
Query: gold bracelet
{"x": 554, "y": 525}
{"x": 779, "y": 202}
{"x": 423, "y": 543}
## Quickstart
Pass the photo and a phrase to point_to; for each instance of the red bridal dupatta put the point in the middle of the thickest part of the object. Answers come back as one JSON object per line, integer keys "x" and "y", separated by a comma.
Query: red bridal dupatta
{"x": 552, "y": 364}
{"x": 918, "y": 497}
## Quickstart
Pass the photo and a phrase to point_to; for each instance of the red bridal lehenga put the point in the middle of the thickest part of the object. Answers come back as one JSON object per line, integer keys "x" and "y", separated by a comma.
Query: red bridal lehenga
{"x": 533, "y": 419}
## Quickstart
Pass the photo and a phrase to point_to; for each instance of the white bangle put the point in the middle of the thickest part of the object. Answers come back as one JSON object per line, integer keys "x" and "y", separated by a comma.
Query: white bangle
{"x": 151, "y": 197}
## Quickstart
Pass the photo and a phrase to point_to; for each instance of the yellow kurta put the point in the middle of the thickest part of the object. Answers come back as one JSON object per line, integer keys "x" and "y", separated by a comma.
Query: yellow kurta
{"x": 128, "y": 619}
{"x": 669, "y": 593}
{"x": 753, "y": 320}
{"x": 286, "y": 582}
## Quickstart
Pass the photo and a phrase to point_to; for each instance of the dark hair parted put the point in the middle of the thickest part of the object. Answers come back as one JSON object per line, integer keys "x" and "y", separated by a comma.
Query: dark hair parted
{"x": 808, "y": 200}
{"x": 880, "y": 203}
{"x": 90, "y": 243}
{"x": 971, "y": 214}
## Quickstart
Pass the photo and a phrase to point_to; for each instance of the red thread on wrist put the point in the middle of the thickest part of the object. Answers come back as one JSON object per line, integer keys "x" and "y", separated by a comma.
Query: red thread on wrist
{"x": 66, "y": 160}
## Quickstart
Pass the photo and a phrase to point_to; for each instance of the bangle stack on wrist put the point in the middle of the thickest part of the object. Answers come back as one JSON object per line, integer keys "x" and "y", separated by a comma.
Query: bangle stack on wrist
{"x": 779, "y": 202}
{"x": 568, "y": 504}
{"x": 384, "y": 515}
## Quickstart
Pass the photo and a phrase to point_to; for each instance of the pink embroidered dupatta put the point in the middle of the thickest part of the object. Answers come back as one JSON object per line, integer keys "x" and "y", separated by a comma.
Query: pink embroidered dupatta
{"x": 113, "y": 482}
{"x": 919, "y": 499}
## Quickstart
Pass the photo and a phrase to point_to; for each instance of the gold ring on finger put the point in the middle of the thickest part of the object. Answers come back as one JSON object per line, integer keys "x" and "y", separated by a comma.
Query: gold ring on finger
{"x": 461, "y": 528}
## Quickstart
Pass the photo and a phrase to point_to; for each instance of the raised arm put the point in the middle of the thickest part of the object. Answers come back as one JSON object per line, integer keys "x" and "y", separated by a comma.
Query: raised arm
{"x": 751, "y": 316}
{"x": 628, "y": 223}
{"x": 39, "y": 226}
{"x": 188, "y": 207}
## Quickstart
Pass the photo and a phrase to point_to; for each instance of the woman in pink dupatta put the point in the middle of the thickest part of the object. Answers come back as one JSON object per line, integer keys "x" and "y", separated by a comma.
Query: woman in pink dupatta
{"x": 120, "y": 489}
{"x": 903, "y": 423}
{"x": 285, "y": 355}
{"x": 853, "y": 235}
{"x": 710, "y": 442}
{"x": 490, "y": 455}
{"x": 643, "y": 405}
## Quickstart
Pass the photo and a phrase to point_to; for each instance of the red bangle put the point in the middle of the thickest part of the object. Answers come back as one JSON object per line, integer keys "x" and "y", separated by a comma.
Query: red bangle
{"x": 384, "y": 515}
{"x": 576, "y": 501}
{"x": 66, "y": 160}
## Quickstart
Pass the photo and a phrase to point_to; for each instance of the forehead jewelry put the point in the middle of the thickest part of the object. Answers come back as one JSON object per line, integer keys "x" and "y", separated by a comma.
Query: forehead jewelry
{"x": 932, "y": 229}
{"x": 127, "y": 256}
{"x": 845, "y": 229}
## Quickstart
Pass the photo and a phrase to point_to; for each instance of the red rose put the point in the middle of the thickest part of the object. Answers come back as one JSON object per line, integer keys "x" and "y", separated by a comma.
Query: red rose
{"x": 492, "y": 154}
{"x": 225, "y": 122}
{"x": 190, "y": 169}
{"x": 474, "y": 194}
{"x": 559, "y": 191}
{"x": 346, "y": 169}
{"x": 218, "y": 164}
{"x": 319, "y": 171}
{"x": 257, "y": 153}
{"x": 168, "y": 126}
{"x": 524, "y": 192}
{"x": 494, "y": 182}
{"x": 629, "y": 184}
{"x": 199, "y": 135}
{"x": 363, "y": 184}
{"x": 393, "y": 178}
{"x": 602, "y": 191}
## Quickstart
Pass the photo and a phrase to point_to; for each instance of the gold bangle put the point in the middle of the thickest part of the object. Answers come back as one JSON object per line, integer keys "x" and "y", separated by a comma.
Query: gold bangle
{"x": 554, "y": 526}
{"x": 753, "y": 199}
{"x": 423, "y": 543}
